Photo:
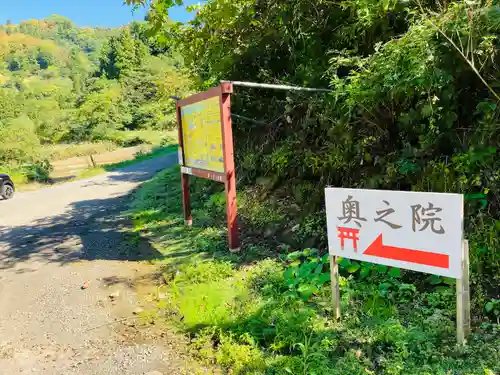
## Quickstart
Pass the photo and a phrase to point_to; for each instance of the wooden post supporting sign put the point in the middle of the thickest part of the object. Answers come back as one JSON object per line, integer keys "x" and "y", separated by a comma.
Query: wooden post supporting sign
{"x": 334, "y": 275}
{"x": 186, "y": 199}
{"x": 463, "y": 297}
{"x": 230, "y": 181}
{"x": 206, "y": 149}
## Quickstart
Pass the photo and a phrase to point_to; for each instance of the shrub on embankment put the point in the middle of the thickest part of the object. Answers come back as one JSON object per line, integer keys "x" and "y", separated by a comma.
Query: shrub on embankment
{"x": 414, "y": 103}
{"x": 414, "y": 106}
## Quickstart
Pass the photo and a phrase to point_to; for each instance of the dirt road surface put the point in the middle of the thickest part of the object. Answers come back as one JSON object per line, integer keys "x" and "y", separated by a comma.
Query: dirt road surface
{"x": 67, "y": 274}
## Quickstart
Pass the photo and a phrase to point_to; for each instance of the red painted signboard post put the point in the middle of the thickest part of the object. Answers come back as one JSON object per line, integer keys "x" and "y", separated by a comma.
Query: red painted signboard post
{"x": 206, "y": 149}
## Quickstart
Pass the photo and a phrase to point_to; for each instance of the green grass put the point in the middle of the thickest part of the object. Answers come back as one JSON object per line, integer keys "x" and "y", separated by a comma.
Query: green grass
{"x": 259, "y": 312}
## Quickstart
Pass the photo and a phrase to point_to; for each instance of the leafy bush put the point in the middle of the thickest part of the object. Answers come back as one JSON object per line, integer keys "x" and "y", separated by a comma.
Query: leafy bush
{"x": 413, "y": 103}
{"x": 18, "y": 141}
{"x": 38, "y": 171}
{"x": 413, "y": 106}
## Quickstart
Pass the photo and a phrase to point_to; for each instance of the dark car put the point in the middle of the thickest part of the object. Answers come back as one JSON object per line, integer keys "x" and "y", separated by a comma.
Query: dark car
{"x": 6, "y": 187}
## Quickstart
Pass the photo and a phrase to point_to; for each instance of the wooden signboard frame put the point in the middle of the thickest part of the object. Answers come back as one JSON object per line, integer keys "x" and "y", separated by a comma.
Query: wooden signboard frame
{"x": 228, "y": 177}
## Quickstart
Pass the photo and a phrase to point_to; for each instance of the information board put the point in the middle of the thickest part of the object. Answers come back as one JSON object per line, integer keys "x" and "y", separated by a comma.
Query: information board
{"x": 202, "y": 135}
{"x": 417, "y": 231}
{"x": 206, "y": 149}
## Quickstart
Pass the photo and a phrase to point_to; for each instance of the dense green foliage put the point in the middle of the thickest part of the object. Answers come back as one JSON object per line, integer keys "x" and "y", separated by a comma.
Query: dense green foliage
{"x": 406, "y": 111}
{"x": 414, "y": 106}
{"x": 61, "y": 83}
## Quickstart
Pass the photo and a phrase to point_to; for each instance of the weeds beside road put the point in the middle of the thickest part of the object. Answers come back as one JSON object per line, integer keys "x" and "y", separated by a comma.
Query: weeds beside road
{"x": 267, "y": 310}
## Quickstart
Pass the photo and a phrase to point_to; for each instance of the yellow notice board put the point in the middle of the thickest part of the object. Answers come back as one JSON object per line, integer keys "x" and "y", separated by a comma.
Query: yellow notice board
{"x": 202, "y": 135}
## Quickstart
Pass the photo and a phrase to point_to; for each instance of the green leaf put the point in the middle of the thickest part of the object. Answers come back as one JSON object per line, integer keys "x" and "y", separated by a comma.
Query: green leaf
{"x": 290, "y": 294}
{"x": 395, "y": 272}
{"x": 353, "y": 268}
{"x": 484, "y": 203}
{"x": 489, "y": 307}
{"x": 309, "y": 252}
{"x": 434, "y": 279}
{"x": 289, "y": 276}
{"x": 325, "y": 258}
{"x": 385, "y": 286}
{"x": 294, "y": 255}
{"x": 306, "y": 291}
{"x": 497, "y": 225}
{"x": 304, "y": 270}
{"x": 475, "y": 196}
{"x": 381, "y": 268}
{"x": 450, "y": 281}
{"x": 323, "y": 278}
{"x": 318, "y": 269}
{"x": 344, "y": 262}
{"x": 365, "y": 271}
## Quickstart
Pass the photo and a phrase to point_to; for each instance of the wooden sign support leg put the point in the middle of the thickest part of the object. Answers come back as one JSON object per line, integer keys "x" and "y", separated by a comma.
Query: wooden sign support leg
{"x": 186, "y": 200}
{"x": 186, "y": 197}
{"x": 463, "y": 297}
{"x": 334, "y": 273}
{"x": 228, "y": 150}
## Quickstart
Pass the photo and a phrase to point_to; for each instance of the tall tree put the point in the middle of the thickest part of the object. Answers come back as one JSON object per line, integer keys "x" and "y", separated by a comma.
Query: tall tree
{"x": 121, "y": 55}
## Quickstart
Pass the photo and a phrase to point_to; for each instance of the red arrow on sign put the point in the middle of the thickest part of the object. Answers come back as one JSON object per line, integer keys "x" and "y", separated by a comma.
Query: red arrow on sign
{"x": 378, "y": 249}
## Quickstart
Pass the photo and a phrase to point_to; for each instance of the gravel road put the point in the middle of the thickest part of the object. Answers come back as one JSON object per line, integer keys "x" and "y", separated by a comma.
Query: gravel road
{"x": 53, "y": 244}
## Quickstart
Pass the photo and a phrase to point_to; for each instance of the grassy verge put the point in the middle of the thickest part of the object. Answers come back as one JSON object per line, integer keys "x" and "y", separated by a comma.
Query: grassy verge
{"x": 268, "y": 311}
{"x": 156, "y": 152}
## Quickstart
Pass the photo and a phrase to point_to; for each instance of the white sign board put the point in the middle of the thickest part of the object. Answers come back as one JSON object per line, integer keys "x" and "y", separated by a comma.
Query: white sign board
{"x": 416, "y": 231}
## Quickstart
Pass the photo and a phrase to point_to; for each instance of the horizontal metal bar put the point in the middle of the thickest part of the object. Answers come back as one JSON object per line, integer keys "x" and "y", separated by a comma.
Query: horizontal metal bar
{"x": 249, "y": 119}
{"x": 275, "y": 87}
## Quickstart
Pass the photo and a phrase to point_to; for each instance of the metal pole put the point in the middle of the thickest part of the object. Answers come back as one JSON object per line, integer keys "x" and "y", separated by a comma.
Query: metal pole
{"x": 249, "y": 119}
{"x": 275, "y": 87}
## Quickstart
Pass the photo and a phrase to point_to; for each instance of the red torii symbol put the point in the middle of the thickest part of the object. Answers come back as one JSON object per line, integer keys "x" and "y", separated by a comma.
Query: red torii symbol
{"x": 348, "y": 234}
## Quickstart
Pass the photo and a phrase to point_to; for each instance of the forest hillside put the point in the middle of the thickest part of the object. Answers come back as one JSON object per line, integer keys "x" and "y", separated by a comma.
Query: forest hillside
{"x": 63, "y": 84}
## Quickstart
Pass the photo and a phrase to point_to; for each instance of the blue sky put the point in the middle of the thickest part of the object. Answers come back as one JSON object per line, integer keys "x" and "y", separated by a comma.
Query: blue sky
{"x": 107, "y": 13}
